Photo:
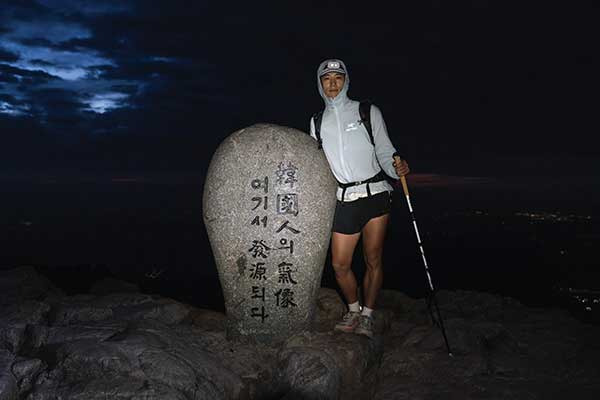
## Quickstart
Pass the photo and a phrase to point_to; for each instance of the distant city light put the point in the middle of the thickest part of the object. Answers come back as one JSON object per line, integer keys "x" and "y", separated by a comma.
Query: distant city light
{"x": 552, "y": 217}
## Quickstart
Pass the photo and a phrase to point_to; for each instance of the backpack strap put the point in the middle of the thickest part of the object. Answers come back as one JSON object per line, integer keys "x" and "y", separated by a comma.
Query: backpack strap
{"x": 364, "y": 109}
{"x": 317, "y": 119}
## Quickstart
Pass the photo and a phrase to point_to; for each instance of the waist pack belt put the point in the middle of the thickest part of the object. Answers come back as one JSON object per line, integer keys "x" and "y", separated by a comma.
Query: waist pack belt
{"x": 380, "y": 176}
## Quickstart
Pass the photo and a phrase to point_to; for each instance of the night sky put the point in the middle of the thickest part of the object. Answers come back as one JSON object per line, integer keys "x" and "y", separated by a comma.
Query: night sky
{"x": 156, "y": 86}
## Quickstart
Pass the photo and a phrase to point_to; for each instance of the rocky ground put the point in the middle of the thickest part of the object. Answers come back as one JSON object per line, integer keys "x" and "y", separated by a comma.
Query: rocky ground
{"x": 117, "y": 343}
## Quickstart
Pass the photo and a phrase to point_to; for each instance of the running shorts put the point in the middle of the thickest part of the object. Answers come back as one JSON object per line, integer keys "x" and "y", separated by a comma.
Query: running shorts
{"x": 351, "y": 216}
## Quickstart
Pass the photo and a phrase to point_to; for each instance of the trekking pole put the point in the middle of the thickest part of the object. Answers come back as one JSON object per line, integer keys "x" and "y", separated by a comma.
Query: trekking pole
{"x": 439, "y": 322}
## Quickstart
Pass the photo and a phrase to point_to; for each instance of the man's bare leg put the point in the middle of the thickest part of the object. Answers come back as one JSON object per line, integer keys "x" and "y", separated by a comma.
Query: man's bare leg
{"x": 373, "y": 238}
{"x": 342, "y": 250}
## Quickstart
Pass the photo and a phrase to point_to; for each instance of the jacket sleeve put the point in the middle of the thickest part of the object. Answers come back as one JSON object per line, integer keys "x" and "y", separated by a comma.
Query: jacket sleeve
{"x": 311, "y": 128}
{"x": 384, "y": 149}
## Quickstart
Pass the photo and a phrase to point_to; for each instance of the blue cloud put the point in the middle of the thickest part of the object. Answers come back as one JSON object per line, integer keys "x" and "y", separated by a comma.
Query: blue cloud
{"x": 34, "y": 42}
{"x": 41, "y": 48}
{"x": 103, "y": 102}
{"x": 12, "y": 106}
{"x": 14, "y": 109}
{"x": 53, "y": 31}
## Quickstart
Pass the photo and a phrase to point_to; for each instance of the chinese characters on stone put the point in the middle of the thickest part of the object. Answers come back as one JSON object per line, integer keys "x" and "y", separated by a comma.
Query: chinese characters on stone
{"x": 261, "y": 271}
{"x": 287, "y": 174}
{"x": 259, "y": 250}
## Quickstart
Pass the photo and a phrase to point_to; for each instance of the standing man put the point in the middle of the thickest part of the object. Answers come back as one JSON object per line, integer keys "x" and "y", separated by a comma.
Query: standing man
{"x": 358, "y": 162}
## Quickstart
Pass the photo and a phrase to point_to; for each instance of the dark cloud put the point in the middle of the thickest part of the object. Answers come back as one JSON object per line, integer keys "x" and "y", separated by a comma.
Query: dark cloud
{"x": 8, "y": 98}
{"x": 22, "y": 9}
{"x": 41, "y": 62}
{"x": 113, "y": 72}
{"x": 149, "y": 70}
{"x": 8, "y": 77}
{"x": 8, "y": 56}
{"x": 129, "y": 89}
{"x": 58, "y": 104}
{"x": 33, "y": 77}
{"x": 36, "y": 42}
{"x": 77, "y": 8}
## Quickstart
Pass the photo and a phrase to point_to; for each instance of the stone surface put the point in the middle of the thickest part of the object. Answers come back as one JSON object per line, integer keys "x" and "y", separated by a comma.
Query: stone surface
{"x": 502, "y": 350}
{"x": 329, "y": 364}
{"x": 15, "y": 318}
{"x": 26, "y": 372}
{"x": 268, "y": 204}
{"x": 8, "y": 383}
{"x": 25, "y": 283}
{"x": 117, "y": 306}
{"x": 111, "y": 285}
{"x": 330, "y": 308}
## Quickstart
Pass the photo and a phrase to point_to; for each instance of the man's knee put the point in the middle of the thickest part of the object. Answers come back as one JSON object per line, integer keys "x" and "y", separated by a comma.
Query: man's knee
{"x": 374, "y": 260}
{"x": 341, "y": 267}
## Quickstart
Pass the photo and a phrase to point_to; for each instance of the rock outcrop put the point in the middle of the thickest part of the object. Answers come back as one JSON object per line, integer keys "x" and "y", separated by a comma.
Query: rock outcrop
{"x": 137, "y": 346}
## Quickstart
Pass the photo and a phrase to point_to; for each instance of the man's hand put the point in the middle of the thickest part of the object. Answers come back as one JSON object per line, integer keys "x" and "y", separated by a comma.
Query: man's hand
{"x": 401, "y": 166}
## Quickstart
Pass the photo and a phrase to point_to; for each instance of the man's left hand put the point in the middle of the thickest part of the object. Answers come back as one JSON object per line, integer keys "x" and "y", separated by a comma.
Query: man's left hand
{"x": 401, "y": 166}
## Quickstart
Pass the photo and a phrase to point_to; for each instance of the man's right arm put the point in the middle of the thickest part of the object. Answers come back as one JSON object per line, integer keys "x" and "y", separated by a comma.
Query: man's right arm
{"x": 312, "y": 128}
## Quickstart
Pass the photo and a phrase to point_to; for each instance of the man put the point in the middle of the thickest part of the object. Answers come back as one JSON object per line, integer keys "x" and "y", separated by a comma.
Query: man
{"x": 364, "y": 199}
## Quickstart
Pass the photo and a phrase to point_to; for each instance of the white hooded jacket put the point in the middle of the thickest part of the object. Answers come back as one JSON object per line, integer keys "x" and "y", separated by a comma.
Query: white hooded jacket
{"x": 347, "y": 145}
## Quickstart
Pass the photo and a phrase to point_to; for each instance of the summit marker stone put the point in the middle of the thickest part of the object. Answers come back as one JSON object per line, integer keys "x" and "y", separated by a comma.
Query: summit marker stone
{"x": 268, "y": 205}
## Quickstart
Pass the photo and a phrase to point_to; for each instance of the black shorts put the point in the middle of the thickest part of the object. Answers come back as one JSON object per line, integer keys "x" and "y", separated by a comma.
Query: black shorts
{"x": 351, "y": 216}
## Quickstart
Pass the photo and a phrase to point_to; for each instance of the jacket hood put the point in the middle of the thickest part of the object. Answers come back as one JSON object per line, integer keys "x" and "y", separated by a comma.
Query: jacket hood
{"x": 342, "y": 96}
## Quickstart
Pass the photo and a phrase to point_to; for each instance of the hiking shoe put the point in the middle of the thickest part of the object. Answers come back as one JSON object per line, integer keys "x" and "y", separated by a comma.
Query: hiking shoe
{"x": 349, "y": 322}
{"x": 365, "y": 326}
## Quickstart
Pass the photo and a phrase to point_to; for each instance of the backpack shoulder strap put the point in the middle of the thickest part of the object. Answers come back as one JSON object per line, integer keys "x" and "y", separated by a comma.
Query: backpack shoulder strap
{"x": 364, "y": 109}
{"x": 317, "y": 118}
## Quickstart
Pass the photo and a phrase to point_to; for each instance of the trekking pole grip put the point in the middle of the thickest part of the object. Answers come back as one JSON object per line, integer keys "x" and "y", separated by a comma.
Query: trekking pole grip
{"x": 398, "y": 160}
{"x": 404, "y": 185}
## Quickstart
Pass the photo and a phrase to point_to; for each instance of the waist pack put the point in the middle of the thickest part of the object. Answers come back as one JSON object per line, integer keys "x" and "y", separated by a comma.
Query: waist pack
{"x": 380, "y": 176}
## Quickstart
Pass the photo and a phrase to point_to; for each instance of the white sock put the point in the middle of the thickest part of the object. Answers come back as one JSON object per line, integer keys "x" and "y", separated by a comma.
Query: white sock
{"x": 367, "y": 311}
{"x": 354, "y": 307}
